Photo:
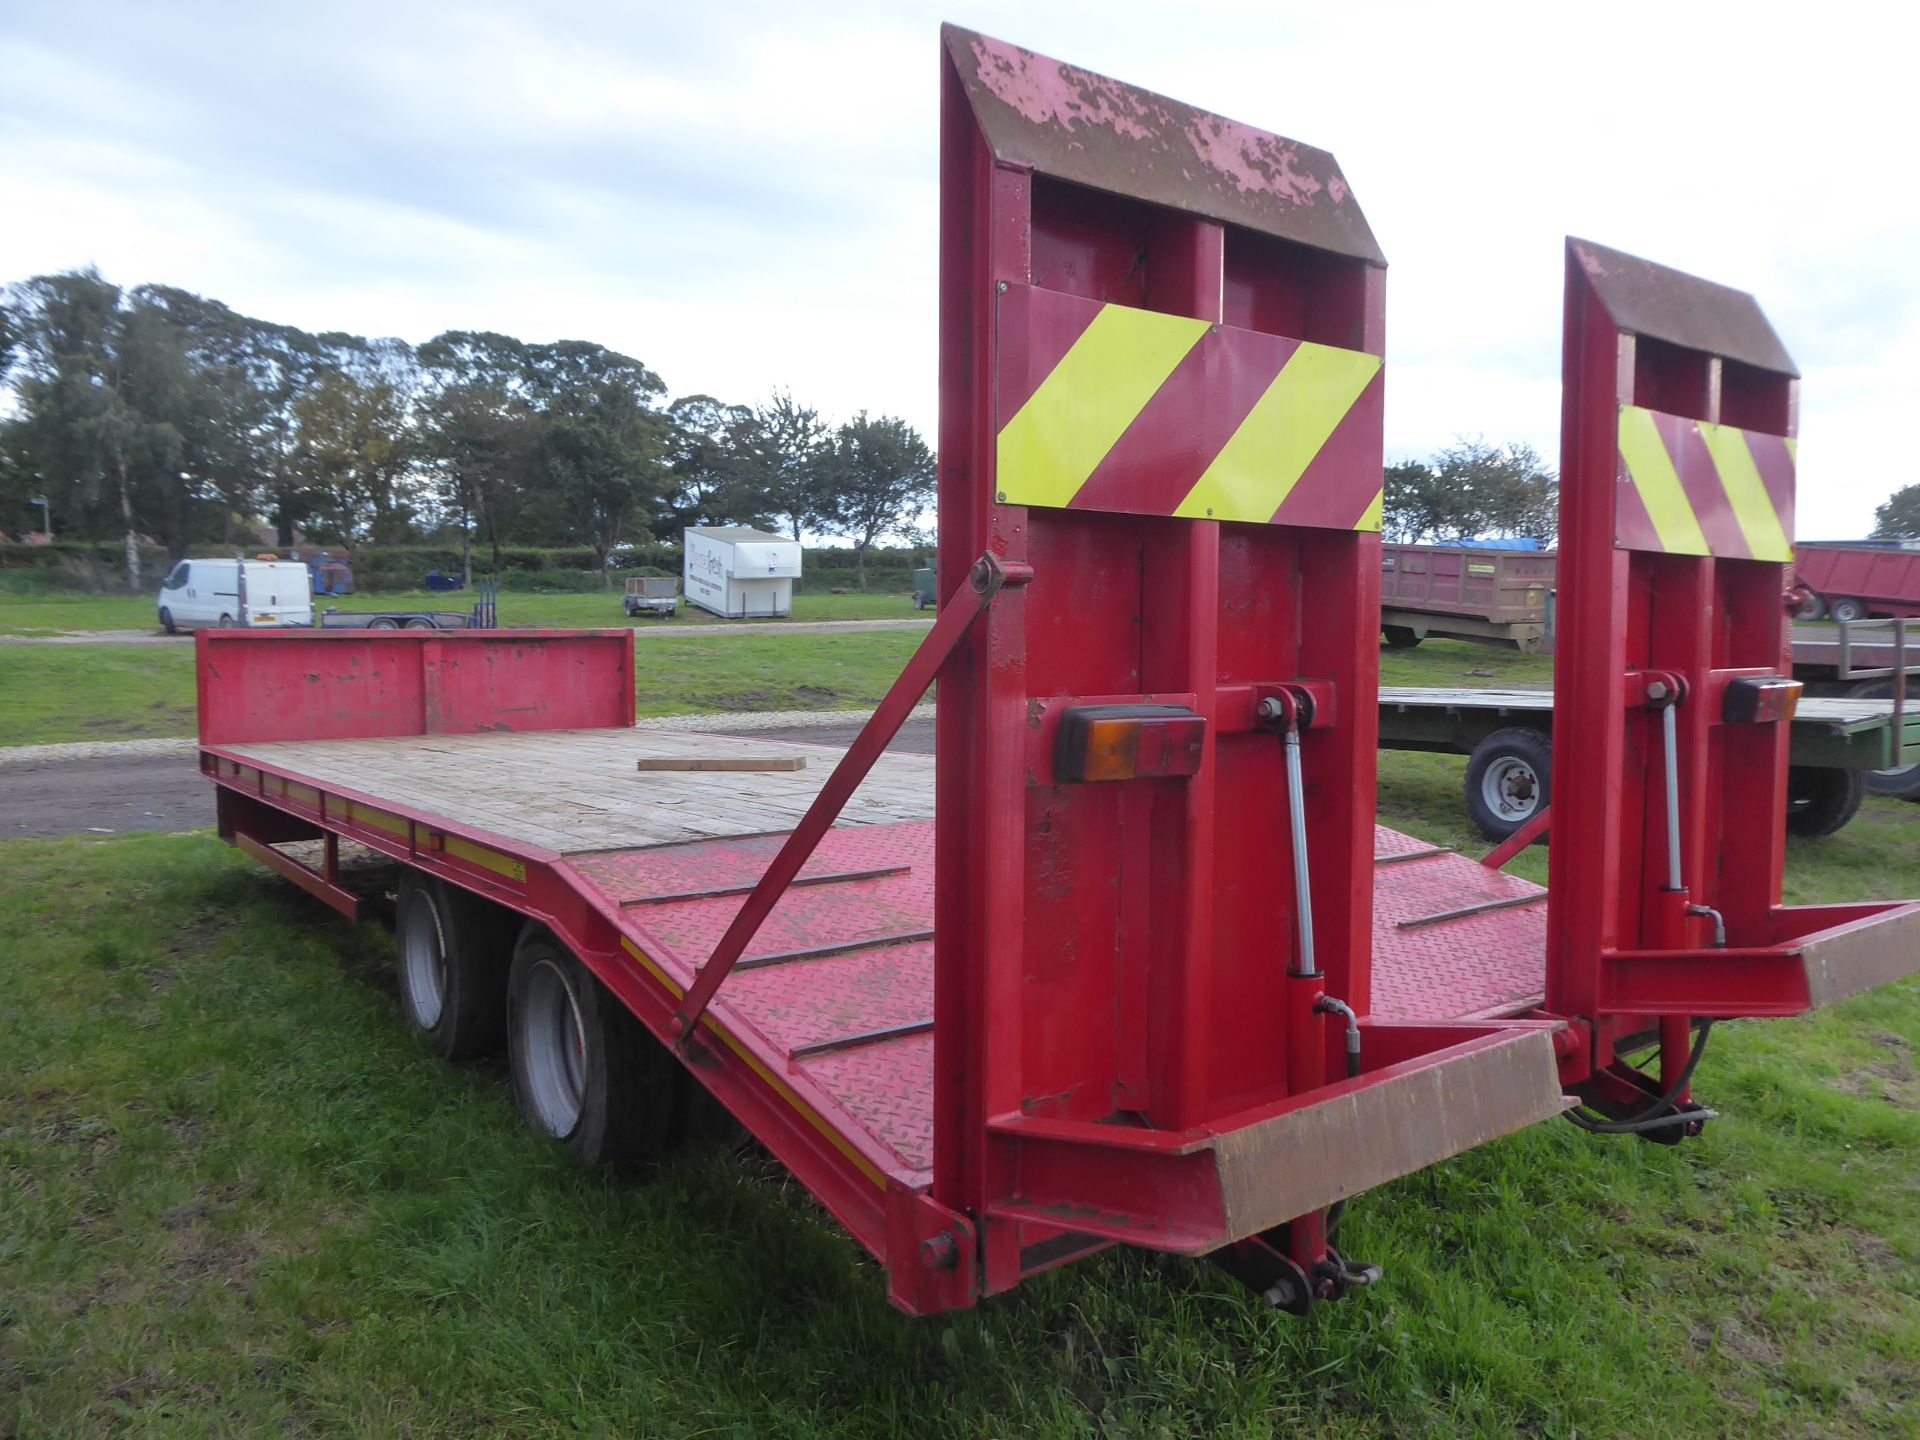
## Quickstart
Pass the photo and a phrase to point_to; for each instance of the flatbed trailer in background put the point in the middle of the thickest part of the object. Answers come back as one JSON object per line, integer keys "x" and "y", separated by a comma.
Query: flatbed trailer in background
{"x": 1128, "y": 961}
{"x": 1835, "y": 743}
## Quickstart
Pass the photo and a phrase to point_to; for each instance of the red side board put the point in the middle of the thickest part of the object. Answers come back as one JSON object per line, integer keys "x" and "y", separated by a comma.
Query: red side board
{"x": 351, "y": 684}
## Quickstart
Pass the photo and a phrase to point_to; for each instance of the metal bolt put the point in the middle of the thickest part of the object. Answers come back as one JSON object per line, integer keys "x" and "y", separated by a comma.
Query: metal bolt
{"x": 1271, "y": 708}
{"x": 940, "y": 1252}
{"x": 1003, "y": 287}
{"x": 1001, "y": 496}
{"x": 1657, "y": 690}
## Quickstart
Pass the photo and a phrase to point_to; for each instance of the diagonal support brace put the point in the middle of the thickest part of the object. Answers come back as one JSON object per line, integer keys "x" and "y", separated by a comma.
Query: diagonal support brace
{"x": 988, "y": 576}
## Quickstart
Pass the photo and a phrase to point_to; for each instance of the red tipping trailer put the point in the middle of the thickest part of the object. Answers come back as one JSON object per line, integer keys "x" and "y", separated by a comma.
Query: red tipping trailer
{"x": 1851, "y": 582}
{"x": 1128, "y": 961}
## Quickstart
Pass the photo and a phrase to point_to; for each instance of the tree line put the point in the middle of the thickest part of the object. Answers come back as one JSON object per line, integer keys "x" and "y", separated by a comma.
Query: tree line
{"x": 153, "y": 411}
{"x": 1472, "y": 490}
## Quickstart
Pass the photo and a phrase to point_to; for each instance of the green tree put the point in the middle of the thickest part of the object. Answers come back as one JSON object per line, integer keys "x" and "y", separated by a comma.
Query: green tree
{"x": 1472, "y": 490}
{"x": 1899, "y": 518}
{"x": 797, "y": 442}
{"x": 602, "y": 443}
{"x": 476, "y": 431}
{"x": 876, "y": 476}
{"x": 720, "y": 463}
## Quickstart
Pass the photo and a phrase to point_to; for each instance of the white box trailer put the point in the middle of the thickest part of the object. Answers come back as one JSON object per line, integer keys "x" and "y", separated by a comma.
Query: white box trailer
{"x": 740, "y": 573}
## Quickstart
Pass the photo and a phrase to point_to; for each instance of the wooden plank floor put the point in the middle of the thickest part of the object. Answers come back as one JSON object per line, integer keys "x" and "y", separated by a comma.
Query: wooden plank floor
{"x": 576, "y": 790}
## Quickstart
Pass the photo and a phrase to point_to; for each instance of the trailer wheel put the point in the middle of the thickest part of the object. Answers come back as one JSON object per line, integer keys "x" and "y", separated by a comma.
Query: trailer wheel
{"x": 585, "y": 1071}
{"x": 1846, "y": 609}
{"x": 1814, "y": 607}
{"x": 1902, "y": 782}
{"x": 1402, "y": 637}
{"x": 1509, "y": 780}
{"x": 1821, "y": 801}
{"x": 454, "y": 949}
{"x": 384, "y": 622}
{"x": 420, "y": 624}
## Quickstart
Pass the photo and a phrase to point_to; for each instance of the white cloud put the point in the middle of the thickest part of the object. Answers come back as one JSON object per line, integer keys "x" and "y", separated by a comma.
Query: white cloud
{"x": 744, "y": 195}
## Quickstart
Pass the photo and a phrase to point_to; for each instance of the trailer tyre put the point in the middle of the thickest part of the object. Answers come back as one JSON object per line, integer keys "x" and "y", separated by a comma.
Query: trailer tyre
{"x": 420, "y": 624}
{"x": 1813, "y": 607}
{"x": 383, "y": 623}
{"x": 1902, "y": 782}
{"x": 585, "y": 1071}
{"x": 1821, "y": 801}
{"x": 1509, "y": 780}
{"x": 454, "y": 950}
{"x": 1402, "y": 637}
{"x": 1846, "y": 609}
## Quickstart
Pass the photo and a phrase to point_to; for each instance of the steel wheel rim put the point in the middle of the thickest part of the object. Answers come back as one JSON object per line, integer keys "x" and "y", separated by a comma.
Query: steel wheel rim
{"x": 423, "y": 951}
{"x": 554, "y": 1042}
{"x": 1510, "y": 788}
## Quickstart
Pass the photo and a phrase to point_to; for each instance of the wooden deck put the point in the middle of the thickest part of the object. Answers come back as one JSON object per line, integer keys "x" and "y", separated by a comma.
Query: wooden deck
{"x": 577, "y": 790}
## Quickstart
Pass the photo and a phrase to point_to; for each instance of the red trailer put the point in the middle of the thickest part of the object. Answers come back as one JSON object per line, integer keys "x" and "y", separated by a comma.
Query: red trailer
{"x": 1468, "y": 594}
{"x": 1851, "y": 582}
{"x": 1128, "y": 961}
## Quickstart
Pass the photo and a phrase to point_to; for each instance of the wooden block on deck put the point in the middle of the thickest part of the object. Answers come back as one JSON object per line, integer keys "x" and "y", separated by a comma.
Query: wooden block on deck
{"x": 721, "y": 762}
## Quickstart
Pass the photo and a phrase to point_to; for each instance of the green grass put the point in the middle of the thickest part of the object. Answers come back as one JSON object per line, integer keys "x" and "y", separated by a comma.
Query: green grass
{"x": 236, "y": 1199}
{"x": 51, "y": 614}
{"x": 53, "y": 694}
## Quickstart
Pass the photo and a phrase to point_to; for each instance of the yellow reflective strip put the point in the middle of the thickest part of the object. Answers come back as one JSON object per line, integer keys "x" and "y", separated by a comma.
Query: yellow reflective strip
{"x": 654, "y": 970}
{"x": 1264, "y": 459}
{"x": 486, "y": 859}
{"x": 1746, "y": 492}
{"x": 1047, "y": 450}
{"x": 1371, "y": 520}
{"x": 1651, "y": 470}
{"x": 378, "y": 819}
{"x": 1793, "y": 448}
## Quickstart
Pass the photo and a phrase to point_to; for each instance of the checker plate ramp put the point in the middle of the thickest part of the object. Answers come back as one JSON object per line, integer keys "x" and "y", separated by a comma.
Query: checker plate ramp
{"x": 837, "y": 990}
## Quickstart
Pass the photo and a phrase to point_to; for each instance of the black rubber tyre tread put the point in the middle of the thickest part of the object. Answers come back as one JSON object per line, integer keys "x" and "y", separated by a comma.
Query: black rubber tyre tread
{"x": 1845, "y": 607}
{"x": 166, "y": 621}
{"x": 630, "y": 1103}
{"x": 1821, "y": 801}
{"x": 1903, "y": 784}
{"x": 1533, "y": 746}
{"x": 477, "y": 938}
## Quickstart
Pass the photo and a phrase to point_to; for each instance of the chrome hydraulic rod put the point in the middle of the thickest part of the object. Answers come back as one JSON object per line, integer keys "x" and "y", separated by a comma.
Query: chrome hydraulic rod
{"x": 1670, "y": 731}
{"x": 1302, "y": 887}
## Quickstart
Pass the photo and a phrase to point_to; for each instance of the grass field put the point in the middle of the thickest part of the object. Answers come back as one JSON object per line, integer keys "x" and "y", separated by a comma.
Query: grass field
{"x": 58, "y": 614}
{"x": 54, "y": 694}
{"x": 235, "y": 1198}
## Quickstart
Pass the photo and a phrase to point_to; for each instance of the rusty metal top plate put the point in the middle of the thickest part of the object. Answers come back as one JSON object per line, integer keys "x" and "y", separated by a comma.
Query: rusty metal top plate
{"x": 1648, "y": 299}
{"x": 1070, "y": 123}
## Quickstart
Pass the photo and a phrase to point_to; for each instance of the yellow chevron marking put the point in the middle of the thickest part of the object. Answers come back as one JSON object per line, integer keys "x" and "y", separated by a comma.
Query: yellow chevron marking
{"x": 1746, "y": 492}
{"x": 1050, "y": 447}
{"x": 1653, "y": 475}
{"x": 1264, "y": 459}
{"x": 1371, "y": 520}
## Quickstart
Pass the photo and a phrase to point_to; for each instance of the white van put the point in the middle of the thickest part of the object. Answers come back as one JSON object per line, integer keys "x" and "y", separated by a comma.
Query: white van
{"x": 205, "y": 594}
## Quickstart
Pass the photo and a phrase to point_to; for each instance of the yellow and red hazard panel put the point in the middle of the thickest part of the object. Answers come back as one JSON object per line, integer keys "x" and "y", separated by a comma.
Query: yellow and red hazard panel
{"x": 1688, "y": 487}
{"x": 1108, "y": 407}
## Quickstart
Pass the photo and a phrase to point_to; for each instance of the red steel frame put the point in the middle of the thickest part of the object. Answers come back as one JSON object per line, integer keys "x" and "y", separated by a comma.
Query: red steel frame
{"x": 1123, "y": 1049}
{"x": 1629, "y": 956}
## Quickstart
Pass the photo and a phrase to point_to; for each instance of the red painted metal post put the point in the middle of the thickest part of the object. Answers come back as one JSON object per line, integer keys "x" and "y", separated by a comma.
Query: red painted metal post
{"x": 957, "y": 615}
{"x": 1677, "y": 458}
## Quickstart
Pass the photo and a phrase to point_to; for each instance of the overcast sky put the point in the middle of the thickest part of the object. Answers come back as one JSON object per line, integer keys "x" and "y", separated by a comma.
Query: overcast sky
{"x": 744, "y": 195}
